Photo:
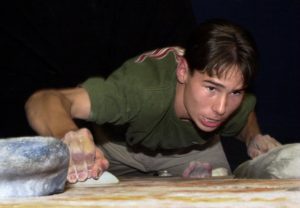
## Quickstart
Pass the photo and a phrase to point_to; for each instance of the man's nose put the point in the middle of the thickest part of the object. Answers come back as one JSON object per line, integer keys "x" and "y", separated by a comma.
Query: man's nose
{"x": 219, "y": 105}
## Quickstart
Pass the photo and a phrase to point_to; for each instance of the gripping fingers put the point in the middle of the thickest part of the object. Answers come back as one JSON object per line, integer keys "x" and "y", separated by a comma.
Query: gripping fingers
{"x": 261, "y": 144}
{"x": 72, "y": 173}
{"x": 254, "y": 152}
{"x": 100, "y": 165}
{"x": 82, "y": 154}
{"x": 89, "y": 150}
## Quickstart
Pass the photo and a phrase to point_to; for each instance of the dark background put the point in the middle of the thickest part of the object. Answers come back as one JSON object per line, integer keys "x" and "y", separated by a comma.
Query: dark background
{"x": 59, "y": 43}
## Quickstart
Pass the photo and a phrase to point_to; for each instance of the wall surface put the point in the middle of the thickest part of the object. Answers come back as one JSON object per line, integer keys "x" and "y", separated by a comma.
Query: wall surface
{"x": 170, "y": 192}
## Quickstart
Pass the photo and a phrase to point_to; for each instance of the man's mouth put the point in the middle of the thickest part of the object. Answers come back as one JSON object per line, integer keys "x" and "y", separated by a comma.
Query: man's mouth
{"x": 212, "y": 123}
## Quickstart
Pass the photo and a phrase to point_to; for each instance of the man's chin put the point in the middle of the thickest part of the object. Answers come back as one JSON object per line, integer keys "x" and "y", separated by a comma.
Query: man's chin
{"x": 208, "y": 128}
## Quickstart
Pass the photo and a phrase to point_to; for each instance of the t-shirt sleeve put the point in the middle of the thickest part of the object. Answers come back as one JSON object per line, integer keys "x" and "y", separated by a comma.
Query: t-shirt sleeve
{"x": 124, "y": 96}
{"x": 239, "y": 119}
{"x": 112, "y": 99}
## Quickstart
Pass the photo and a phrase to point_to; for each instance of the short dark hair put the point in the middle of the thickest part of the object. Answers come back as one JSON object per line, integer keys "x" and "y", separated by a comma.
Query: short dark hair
{"x": 218, "y": 44}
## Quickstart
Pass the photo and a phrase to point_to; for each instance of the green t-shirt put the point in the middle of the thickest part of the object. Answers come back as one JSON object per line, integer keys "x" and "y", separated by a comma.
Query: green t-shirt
{"x": 141, "y": 94}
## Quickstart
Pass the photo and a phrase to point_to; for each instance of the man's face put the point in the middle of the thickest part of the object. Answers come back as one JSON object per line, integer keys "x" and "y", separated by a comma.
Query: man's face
{"x": 209, "y": 101}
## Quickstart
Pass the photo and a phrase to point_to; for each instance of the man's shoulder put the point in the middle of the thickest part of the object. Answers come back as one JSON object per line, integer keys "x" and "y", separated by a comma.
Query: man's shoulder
{"x": 150, "y": 69}
{"x": 160, "y": 53}
{"x": 155, "y": 62}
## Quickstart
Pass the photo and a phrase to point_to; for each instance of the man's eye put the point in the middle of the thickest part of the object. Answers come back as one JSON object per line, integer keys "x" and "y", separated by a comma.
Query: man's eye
{"x": 211, "y": 88}
{"x": 237, "y": 93}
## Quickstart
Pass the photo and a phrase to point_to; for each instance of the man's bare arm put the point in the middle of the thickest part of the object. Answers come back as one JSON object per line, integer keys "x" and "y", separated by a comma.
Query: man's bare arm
{"x": 51, "y": 112}
{"x": 250, "y": 130}
{"x": 256, "y": 142}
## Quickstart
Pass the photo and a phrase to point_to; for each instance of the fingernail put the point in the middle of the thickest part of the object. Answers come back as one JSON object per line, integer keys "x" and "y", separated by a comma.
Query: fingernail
{"x": 72, "y": 179}
{"x": 82, "y": 176}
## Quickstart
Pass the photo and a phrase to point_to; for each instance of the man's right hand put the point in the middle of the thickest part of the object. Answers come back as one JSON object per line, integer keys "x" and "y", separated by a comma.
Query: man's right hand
{"x": 198, "y": 169}
{"x": 86, "y": 160}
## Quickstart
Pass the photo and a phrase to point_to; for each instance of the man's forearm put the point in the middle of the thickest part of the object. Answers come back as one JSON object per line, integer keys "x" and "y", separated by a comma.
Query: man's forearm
{"x": 48, "y": 113}
{"x": 250, "y": 130}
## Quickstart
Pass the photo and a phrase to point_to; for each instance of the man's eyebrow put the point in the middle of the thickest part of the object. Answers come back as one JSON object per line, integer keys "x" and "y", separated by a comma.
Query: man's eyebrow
{"x": 214, "y": 83}
{"x": 222, "y": 86}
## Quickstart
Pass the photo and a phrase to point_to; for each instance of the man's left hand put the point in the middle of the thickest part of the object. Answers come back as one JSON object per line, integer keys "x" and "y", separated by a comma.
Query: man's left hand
{"x": 261, "y": 144}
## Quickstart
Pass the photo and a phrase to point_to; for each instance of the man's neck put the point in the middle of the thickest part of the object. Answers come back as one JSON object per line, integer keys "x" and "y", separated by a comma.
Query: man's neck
{"x": 179, "y": 107}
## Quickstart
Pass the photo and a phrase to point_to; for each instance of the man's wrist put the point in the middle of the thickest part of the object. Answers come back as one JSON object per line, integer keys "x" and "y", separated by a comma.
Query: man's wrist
{"x": 251, "y": 138}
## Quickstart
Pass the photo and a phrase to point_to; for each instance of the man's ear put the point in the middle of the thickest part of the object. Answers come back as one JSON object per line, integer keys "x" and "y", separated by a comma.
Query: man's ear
{"x": 182, "y": 71}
